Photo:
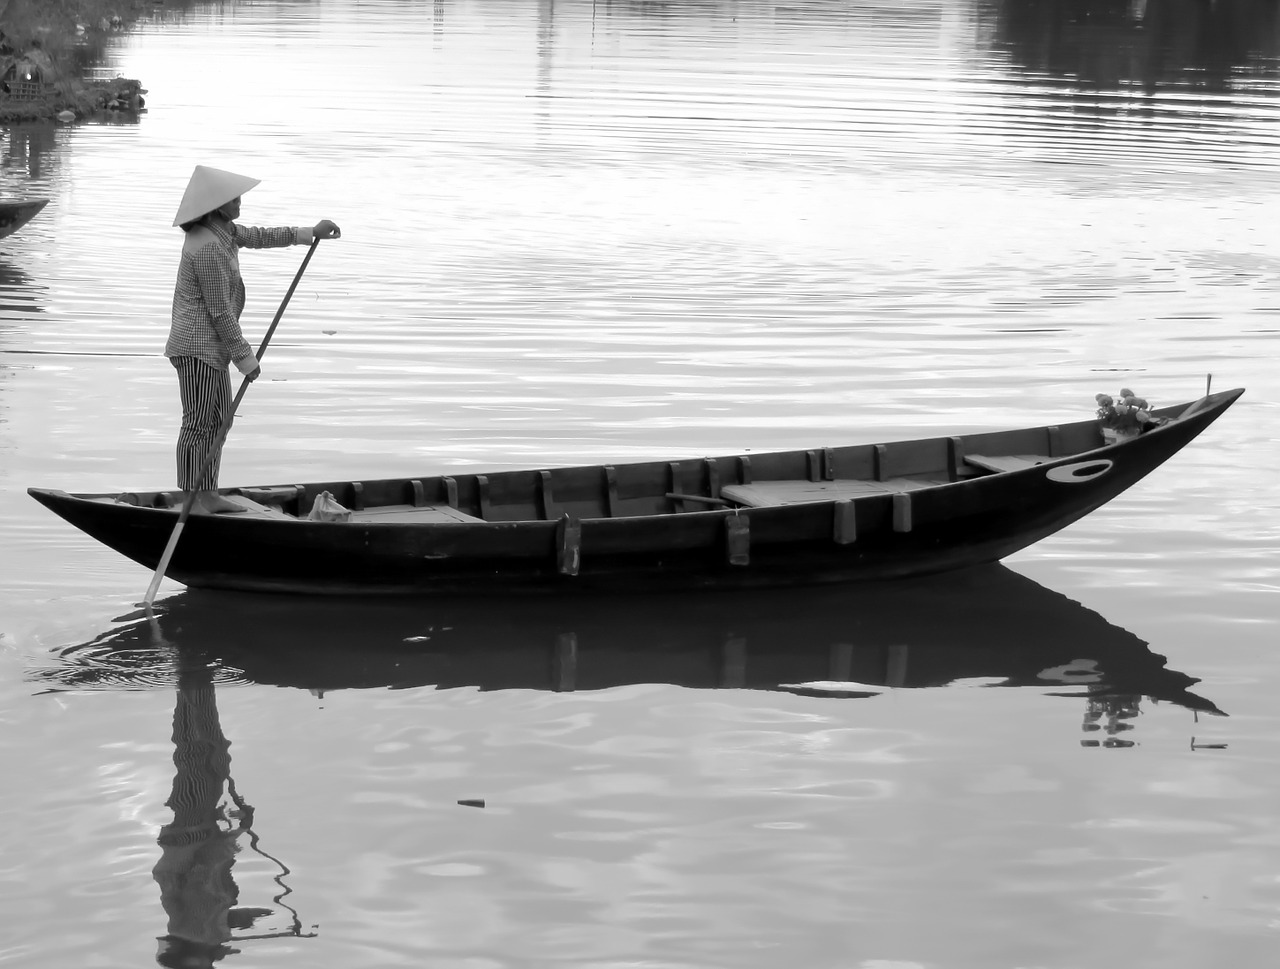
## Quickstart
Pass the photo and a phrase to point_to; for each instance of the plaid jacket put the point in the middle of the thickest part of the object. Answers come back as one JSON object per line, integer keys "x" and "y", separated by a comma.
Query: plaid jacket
{"x": 209, "y": 295}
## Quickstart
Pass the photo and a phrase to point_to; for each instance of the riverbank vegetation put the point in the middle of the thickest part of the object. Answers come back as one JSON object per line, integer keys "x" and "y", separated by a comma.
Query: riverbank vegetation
{"x": 47, "y": 48}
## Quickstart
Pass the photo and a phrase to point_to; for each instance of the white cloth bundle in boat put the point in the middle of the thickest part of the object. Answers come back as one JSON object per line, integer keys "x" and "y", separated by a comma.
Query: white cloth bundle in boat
{"x": 327, "y": 509}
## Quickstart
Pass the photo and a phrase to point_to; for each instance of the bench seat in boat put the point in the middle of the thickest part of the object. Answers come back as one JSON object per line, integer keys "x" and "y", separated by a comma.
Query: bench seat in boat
{"x": 764, "y": 493}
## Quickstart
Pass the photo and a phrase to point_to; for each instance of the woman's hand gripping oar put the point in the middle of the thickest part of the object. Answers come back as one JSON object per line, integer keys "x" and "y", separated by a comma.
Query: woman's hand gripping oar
{"x": 222, "y": 431}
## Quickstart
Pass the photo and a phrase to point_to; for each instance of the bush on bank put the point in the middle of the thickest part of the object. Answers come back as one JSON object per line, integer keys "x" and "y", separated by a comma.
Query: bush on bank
{"x": 46, "y": 48}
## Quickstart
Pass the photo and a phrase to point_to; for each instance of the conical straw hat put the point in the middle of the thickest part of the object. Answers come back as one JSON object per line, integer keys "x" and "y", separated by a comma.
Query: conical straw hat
{"x": 209, "y": 189}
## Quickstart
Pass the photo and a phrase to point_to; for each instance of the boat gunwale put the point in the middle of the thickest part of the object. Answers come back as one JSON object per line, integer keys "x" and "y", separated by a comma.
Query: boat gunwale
{"x": 1214, "y": 405}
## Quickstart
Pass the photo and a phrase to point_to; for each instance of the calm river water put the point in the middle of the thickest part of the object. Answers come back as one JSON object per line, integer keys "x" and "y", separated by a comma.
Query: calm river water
{"x": 580, "y": 231}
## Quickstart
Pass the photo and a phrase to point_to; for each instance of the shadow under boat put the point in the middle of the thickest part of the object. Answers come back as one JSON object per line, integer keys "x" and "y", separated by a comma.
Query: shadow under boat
{"x": 988, "y": 626}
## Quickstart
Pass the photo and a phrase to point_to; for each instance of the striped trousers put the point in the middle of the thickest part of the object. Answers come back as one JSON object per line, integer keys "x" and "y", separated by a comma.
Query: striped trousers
{"x": 206, "y": 400}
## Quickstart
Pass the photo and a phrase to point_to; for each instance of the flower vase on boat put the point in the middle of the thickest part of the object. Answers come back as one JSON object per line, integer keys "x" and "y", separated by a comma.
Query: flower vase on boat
{"x": 1125, "y": 417}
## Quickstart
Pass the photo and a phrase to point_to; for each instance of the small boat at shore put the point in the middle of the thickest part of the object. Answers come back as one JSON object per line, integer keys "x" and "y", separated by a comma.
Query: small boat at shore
{"x": 786, "y": 518}
{"x": 14, "y": 215}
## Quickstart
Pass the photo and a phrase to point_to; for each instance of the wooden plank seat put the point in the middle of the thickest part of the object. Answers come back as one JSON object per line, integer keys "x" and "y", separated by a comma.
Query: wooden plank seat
{"x": 793, "y": 492}
{"x": 251, "y": 508}
{"x": 409, "y": 514}
{"x": 1006, "y": 462}
{"x": 381, "y": 514}
{"x": 401, "y": 514}
{"x": 258, "y": 509}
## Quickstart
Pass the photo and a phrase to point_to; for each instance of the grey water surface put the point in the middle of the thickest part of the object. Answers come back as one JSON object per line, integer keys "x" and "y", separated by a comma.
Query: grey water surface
{"x": 580, "y": 231}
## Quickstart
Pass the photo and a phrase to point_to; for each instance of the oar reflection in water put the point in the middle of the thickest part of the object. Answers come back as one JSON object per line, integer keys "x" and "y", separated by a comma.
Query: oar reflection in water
{"x": 199, "y": 846}
{"x": 988, "y": 626}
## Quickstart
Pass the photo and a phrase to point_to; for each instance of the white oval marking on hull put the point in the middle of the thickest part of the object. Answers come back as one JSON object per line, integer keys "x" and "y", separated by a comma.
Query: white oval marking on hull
{"x": 1079, "y": 473}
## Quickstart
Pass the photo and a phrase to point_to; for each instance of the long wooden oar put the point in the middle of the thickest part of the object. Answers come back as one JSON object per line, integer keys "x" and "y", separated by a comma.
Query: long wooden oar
{"x": 222, "y": 435}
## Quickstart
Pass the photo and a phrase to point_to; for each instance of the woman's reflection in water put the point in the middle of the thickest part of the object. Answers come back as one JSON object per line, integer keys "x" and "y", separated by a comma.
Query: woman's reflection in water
{"x": 199, "y": 846}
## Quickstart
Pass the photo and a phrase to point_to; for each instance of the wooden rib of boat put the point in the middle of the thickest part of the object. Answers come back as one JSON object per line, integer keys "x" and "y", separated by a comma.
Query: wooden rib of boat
{"x": 825, "y": 515}
{"x": 14, "y": 215}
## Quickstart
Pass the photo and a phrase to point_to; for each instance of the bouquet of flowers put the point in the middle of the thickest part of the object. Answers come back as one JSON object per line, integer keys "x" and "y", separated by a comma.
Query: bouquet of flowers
{"x": 1128, "y": 416}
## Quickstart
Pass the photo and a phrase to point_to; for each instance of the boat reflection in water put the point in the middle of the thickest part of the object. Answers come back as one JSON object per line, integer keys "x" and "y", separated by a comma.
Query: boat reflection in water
{"x": 987, "y": 623}
{"x": 989, "y": 626}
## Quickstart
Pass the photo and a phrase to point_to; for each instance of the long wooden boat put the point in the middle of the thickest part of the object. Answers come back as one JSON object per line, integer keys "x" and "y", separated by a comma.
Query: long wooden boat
{"x": 824, "y": 515}
{"x": 987, "y": 626}
{"x": 14, "y": 215}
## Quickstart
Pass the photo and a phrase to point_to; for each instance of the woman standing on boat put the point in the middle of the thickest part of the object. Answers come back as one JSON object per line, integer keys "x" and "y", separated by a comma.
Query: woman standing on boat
{"x": 208, "y": 298}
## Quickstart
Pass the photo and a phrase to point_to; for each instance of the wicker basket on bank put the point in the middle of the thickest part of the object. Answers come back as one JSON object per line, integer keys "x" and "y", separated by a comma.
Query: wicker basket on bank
{"x": 24, "y": 81}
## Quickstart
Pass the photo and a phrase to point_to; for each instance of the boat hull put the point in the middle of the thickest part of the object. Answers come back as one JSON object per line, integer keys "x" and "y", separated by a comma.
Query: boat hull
{"x": 14, "y": 215}
{"x": 874, "y": 537}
